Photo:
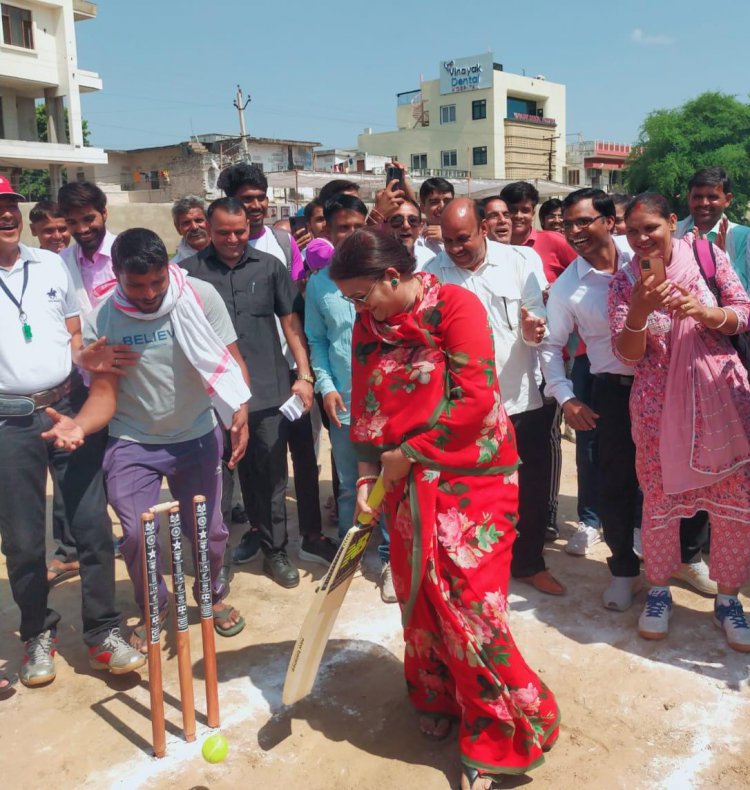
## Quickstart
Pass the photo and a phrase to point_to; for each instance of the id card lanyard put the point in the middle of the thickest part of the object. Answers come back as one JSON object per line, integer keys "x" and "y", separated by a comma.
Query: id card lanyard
{"x": 22, "y": 317}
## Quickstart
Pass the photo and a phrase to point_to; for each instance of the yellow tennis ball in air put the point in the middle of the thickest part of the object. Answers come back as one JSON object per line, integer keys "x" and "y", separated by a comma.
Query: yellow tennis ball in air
{"x": 215, "y": 749}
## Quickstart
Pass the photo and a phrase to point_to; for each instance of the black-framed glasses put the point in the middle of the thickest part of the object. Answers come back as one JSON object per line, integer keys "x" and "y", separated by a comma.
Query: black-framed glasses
{"x": 398, "y": 220}
{"x": 355, "y": 300}
{"x": 581, "y": 222}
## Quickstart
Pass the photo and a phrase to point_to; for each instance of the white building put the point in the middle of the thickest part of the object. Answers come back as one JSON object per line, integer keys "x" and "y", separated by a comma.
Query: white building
{"x": 477, "y": 120}
{"x": 597, "y": 163}
{"x": 339, "y": 160}
{"x": 39, "y": 63}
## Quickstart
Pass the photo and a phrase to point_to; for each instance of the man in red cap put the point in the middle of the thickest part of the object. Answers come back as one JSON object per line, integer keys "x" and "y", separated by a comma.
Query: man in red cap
{"x": 41, "y": 331}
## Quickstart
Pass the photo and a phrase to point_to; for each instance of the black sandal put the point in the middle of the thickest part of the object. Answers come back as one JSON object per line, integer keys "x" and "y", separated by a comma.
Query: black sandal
{"x": 436, "y": 719}
{"x": 472, "y": 775}
{"x": 9, "y": 681}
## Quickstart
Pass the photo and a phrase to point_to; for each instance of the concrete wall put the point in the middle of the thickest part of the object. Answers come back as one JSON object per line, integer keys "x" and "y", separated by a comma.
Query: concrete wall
{"x": 155, "y": 216}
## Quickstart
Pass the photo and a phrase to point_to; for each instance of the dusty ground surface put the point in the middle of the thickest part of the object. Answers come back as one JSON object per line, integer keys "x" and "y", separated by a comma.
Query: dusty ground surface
{"x": 636, "y": 714}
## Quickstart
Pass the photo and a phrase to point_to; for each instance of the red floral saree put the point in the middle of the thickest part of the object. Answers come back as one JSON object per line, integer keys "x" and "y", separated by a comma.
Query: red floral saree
{"x": 425, "y": 381}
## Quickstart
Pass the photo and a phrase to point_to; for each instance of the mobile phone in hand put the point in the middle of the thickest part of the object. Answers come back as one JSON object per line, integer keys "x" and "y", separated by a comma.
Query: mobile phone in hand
{"x": 296, "y": 223}
{"x": 392, "y": 173}
{"x": 653, "y": 266}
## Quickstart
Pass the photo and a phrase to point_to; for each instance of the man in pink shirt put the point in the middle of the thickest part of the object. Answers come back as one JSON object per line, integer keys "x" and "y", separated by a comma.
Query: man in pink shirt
{"x": 84, "y": 207}
{"x": 550, "y": 246}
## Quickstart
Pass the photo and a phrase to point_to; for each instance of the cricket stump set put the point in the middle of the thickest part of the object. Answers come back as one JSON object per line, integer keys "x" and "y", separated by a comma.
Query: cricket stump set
{"x": 153, "y": 623}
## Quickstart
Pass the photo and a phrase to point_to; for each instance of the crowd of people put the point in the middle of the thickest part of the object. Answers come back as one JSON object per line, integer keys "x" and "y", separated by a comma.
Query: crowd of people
{"x": 441, "y": 341}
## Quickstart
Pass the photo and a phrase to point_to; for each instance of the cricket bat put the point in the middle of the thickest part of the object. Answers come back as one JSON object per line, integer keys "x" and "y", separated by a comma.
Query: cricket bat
{"x": 313, "y": 636}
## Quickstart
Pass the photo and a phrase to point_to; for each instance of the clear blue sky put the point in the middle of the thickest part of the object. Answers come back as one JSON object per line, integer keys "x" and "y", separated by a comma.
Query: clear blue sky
{"x": 324, "y": 70}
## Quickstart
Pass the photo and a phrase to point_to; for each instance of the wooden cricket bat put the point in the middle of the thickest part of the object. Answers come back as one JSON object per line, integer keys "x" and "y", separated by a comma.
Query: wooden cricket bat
{"x": 313, "y": 636}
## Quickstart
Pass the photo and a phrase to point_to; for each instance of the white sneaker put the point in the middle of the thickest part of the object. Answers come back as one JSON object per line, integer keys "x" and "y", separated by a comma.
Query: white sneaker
{"x": 733, "y": 621}
{"x": 583, "y": 539}
{"x": 637, "y": 543}
{"x": 696, "y": 575}
{"x": 654, "y": 620}
{"x": 387, "y": 592}
{"x": 619, "y": 595}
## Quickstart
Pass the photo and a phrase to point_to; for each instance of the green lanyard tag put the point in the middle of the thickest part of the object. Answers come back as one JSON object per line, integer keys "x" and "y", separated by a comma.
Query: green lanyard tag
{"x": 26, "y": 328}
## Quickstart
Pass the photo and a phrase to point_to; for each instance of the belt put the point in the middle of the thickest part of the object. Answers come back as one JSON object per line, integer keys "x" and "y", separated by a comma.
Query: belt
{"x": 26, "y": 405}
{"x": 615, "y": 378}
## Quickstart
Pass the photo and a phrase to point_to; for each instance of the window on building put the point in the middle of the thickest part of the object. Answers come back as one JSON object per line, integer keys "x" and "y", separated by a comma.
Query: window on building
{"x": 574, "y": 178}
{"x": 448, "y": 159}
{"x": 419, "y": 161}
{"x": 448, "y": 113}
{"x": 479, "y": 109}
{"x": 521, "y": 106}
{"x": 2, "y": 125}
{"x": 479, "y": 155}
{"x": 17, "y": 29}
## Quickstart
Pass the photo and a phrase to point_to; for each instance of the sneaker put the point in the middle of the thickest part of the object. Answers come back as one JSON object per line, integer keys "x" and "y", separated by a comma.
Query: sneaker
{"x": 551, "y": 533}
{"x": 696, "y": 575}
{"x": 654, "y": 620}
{"x": 39, "y": 659}
{"x": 619, "y": 595}
{"x": 318, "y": 548}
{"x": 279, "y": 567}
{"x": 113, "y": 653}
{"x": 387, "y": 592}
{"x": 731, "y": 618}
{"x": 248, "y": 549}
{"x": 238, "y": 515}
{"x": 583, "y": 539}
{"x": 637, "y": 543}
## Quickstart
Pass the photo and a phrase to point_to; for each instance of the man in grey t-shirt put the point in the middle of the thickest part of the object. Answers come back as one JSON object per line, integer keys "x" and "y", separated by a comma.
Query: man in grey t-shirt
{"x": 161, "y": 419}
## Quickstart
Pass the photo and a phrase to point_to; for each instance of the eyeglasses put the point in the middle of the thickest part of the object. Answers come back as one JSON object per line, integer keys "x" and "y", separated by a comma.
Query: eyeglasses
{"x": 355, "y": 300}
{"x": 581, "y": 222}
{"x": 398, "y": 220}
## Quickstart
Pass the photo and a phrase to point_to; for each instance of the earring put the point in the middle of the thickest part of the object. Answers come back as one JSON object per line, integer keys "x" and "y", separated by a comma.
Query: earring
{"x": 394, "y": 282}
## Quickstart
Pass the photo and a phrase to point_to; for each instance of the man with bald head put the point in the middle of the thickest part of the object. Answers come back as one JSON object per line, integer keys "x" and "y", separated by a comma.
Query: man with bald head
{"x": 510, "y": 284}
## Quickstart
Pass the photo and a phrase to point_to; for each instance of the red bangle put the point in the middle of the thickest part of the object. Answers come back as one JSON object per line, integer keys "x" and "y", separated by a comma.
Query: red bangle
{"x": 365, "y": 479}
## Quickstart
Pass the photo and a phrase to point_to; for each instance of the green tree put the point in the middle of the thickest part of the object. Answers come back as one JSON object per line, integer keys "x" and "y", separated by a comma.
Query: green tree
{"x": 35, "y": 184}
{"x": 712, "y": 129}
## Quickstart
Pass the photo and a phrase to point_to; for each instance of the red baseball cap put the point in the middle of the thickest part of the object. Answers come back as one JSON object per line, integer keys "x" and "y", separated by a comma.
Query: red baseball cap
{"x": 7, "y": 189}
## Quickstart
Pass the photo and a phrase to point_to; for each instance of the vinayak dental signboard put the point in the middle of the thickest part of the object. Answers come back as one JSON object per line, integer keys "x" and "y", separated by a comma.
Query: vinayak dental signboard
{"x": 466, "y": 74}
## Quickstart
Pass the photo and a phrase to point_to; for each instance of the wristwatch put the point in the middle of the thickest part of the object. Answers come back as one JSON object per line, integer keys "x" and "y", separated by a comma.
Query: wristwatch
{"x": 308, "y": 377}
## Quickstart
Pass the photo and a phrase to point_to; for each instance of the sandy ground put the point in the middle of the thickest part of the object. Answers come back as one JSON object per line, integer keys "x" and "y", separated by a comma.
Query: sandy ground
{"x": 636, "y": 714}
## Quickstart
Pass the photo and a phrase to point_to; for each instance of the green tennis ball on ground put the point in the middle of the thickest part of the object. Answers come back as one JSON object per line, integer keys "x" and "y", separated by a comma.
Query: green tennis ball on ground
{"x": 215, "y": 749}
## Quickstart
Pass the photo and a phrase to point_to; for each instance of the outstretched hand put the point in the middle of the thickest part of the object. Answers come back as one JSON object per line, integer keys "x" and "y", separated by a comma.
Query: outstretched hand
{"x": 65, "y": 432}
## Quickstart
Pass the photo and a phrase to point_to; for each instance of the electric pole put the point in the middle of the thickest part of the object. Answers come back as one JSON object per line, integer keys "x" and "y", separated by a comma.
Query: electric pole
{"x": 550, "y": 154}
{"x": 240, "y": 107}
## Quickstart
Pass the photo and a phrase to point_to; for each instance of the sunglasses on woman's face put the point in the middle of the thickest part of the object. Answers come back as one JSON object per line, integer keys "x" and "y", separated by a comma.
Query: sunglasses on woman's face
{"x": 398, "y": 220}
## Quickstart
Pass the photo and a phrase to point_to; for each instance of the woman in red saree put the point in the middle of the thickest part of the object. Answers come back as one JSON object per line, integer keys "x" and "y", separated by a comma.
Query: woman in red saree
{"x": 426, "y": 408}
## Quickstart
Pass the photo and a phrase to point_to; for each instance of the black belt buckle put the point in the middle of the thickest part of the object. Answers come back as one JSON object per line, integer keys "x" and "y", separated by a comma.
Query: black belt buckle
{"x": 16, "y": 406}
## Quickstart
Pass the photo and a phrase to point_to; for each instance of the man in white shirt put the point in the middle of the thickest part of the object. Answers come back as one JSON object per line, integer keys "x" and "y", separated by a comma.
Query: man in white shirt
{"x": 41, "y": 330}
{"x": 510, "y": 284}
{"x": 578, "y": 300}
{"x": 709, "y": 195}
{"x": 189, "y": 217}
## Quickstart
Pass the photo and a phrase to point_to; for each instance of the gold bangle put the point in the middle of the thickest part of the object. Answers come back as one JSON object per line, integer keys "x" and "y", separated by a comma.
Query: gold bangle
{"x": 631, "y": 329}
{"x": 726, "y": 317}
